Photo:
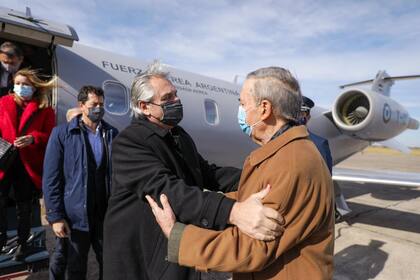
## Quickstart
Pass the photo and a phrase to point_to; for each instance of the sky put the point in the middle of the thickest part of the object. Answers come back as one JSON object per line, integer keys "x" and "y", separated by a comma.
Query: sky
{"x": 323, "y": 43}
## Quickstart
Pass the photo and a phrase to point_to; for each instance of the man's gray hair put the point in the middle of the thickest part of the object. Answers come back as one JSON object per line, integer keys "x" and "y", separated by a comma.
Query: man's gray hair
{"x": 278, "y": 86}
{"x": 13, "y": 48}
{"x": 141, "y": 89}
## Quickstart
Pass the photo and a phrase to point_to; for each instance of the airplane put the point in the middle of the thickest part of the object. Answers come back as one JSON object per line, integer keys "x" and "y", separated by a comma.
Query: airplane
{"x": 359, "y": 116}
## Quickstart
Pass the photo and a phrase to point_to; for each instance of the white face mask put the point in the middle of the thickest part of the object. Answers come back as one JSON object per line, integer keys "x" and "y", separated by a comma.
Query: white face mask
{"x": 10, "y": 67}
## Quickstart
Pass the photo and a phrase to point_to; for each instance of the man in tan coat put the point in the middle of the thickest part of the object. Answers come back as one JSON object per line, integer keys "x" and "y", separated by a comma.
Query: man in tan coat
{"x": 301, "y": 190}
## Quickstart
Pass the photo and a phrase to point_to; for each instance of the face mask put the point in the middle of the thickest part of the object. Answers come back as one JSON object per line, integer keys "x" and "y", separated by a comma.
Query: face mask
{"x": 96, "y": 114}
{"x": 172, "y": 112}
{"x": 24, "y": 91}
{"x": 242, "y": 123}
{"x": 10, "y": 68}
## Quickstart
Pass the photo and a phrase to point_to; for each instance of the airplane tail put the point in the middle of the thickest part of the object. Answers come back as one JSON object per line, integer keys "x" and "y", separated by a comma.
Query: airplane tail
{"x": 371, "y": 114}
{"x": 382, "y": 82}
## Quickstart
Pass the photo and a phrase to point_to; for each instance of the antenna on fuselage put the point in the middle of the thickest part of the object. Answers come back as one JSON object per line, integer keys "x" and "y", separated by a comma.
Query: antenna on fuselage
{"x": 28, "y": 13}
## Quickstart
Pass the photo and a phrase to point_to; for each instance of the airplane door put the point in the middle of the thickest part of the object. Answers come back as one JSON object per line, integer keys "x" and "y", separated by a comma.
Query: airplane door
{"x": 22, "y": 27}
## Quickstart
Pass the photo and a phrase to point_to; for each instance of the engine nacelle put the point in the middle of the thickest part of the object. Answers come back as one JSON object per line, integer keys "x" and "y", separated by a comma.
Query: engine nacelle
{"x": 368, "y": 115}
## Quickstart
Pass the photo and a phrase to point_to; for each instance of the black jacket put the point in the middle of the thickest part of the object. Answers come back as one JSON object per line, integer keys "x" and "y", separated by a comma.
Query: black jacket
{"x": 5, "y": 90}
{"x": 145, "y": 160}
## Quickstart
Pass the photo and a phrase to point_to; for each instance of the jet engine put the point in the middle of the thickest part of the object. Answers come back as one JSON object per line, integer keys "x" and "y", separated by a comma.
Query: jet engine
{"x": 371, "y": 116}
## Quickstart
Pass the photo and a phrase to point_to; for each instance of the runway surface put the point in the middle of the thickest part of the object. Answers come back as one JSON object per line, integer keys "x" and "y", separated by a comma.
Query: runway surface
{"x": 379, "y": 239}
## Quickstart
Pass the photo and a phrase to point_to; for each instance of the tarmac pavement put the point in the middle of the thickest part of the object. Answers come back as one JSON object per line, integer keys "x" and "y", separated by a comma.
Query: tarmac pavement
{"x": 379, "y": 239}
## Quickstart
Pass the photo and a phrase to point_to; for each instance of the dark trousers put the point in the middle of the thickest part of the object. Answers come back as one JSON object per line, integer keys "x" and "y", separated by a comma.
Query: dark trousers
{"x": 73, "y": 252}
{"x": 23, "y": 190}
{"x": 77, "y": 254}
{"x": 58, "y": 259}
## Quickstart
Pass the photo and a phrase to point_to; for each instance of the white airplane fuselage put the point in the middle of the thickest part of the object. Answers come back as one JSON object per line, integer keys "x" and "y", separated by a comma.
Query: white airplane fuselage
{"x": 210, "y": 105}
{"x": 357, "y": 117}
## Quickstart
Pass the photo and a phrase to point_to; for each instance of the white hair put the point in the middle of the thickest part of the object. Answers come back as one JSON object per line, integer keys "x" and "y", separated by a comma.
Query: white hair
{"x": 141, "y": 89}
{"x": 278, "y": 86}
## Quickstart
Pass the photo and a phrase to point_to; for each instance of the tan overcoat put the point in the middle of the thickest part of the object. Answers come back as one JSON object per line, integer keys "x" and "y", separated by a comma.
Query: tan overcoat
{"x": 303, "y": 193}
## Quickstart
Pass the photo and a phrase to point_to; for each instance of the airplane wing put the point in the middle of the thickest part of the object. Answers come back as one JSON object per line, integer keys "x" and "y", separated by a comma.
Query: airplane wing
{"x": 396, "y": 145}
{"x": 377, "y": 176}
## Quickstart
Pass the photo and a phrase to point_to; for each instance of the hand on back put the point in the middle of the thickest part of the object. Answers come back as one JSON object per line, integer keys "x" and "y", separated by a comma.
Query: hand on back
{"x": 256, "y": 220}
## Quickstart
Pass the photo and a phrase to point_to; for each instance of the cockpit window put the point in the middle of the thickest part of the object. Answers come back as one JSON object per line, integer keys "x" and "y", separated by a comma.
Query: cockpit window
{"x": 116, "y": 98}
{"x": 211, "y": 111}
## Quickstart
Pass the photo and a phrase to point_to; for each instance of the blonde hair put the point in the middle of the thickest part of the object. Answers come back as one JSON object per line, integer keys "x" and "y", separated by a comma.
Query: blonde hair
{"x": 42, "y": 87}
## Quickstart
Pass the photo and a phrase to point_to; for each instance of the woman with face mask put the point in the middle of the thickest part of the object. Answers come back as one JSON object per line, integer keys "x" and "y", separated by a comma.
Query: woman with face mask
{"x": 26, "y": 121}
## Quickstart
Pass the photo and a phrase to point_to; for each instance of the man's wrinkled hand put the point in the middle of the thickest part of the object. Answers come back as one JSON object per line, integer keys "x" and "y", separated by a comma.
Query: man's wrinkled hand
{"x": 61, "y": 229}
{"x": 165, "y": 217}
{"x": 256, "y": 220}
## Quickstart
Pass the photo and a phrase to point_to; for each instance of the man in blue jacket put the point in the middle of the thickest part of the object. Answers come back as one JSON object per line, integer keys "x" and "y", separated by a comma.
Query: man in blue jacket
{"x": 76, "y": 182}
{"x": 320, "y": 142}
{"x": 341, "y": 207}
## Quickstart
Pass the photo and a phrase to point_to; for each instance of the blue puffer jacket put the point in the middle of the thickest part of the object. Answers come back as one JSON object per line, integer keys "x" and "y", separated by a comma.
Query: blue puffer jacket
{"x": 64, "y": 181}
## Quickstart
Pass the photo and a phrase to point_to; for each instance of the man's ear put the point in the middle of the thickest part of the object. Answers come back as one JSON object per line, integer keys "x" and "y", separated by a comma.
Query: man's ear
{"x": 267, "y": 109}
{"x": 144, "y": 107}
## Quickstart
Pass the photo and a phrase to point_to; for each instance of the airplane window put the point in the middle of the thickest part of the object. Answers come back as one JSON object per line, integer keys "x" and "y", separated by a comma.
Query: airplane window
{"x": 212, "y": 112}
{"x": 116, "y": 98}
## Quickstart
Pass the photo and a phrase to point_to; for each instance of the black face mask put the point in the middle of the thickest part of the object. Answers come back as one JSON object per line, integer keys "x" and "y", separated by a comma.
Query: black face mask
{"x": 172, "y": 112}
{"x": 96, "y": 114}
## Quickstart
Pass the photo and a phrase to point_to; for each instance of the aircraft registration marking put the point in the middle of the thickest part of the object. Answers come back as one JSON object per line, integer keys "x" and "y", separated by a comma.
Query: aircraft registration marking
{"x": 120, "y": 67}
{"x": 200, "y": 87}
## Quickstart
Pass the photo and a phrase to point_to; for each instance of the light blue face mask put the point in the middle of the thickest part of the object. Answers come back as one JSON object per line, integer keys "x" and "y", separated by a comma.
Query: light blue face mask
{"x": 246, "y": 128}
{"x": 23, "y": 91}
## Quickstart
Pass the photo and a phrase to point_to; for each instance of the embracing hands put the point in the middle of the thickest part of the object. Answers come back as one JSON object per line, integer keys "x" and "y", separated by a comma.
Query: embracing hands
{"x": 250, "y": 216}
{"x": 256, "y": 220}
{"x": 165, "y": 217}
